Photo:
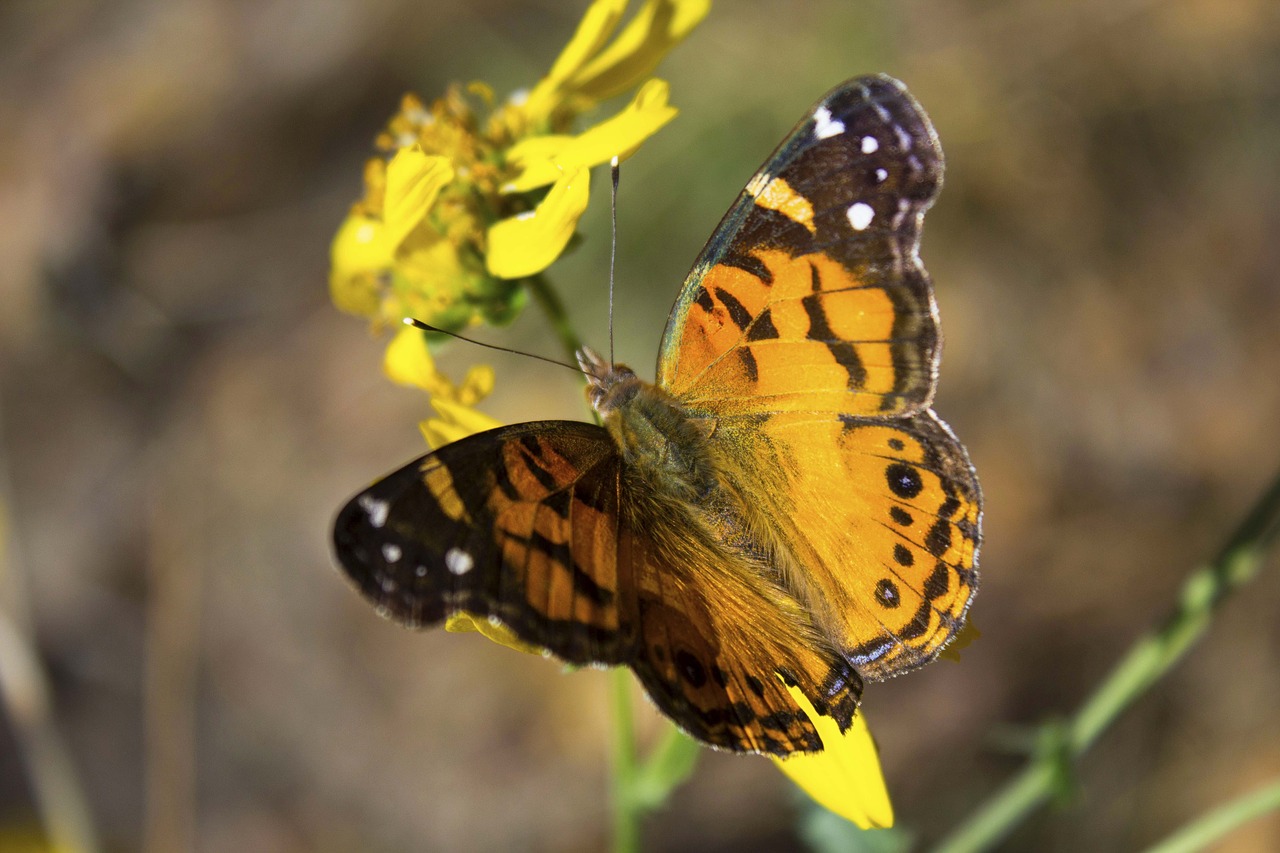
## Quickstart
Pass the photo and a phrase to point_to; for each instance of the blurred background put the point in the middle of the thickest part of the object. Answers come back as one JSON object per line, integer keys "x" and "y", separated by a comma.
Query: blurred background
{"x": 183, "y": 412}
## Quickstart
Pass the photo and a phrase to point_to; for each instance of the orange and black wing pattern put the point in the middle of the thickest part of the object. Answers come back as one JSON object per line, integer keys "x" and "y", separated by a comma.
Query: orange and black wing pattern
{"x": 540, "y": 527}
{"x": 810, "y": 296}
{"x": 518, "y": 524}
{"x": 807, "y": 338}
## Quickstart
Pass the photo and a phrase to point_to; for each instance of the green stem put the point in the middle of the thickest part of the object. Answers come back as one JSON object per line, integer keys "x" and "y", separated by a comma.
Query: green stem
{"x": 1211, "y": 827}
{"x": 1145, "y": 664}
{"x": 554, "y": 308}
{"x": 626, "y": 815}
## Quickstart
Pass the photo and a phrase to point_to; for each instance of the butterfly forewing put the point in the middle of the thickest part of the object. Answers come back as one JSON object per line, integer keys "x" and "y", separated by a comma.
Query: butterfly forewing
{"x": 519, "y": 524}
{"x": 810, "y": 296}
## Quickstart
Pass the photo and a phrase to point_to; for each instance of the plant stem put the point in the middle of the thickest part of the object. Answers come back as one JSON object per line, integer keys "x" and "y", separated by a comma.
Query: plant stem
{"x": 1146, "y": 663}
{"x": 554, "y": 308}
{"x": 626, "y": 815}
{"x": 1208, "y": 828}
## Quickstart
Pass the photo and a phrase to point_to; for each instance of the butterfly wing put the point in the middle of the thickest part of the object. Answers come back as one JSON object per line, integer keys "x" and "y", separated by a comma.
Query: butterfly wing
{"x": 518, "y": 524}
{"x": 810, "y": 296}
{"x": 539, "y": 527}
{"x": 880, "y": 519}
{"x": 807, "y": 334}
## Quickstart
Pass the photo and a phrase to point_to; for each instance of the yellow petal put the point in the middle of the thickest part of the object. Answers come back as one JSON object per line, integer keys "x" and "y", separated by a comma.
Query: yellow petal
{"x": 476, "y": 385}
{"x": 456, "y": 420}
{"x": 414, "y": 180}
{"x": 409, "y": 362}
{"x": 658, "y": 26}
{"x": 536, "y": 156}
{"x": 615, "y": 137}
{"x": 599, "y": 22}
{"x": 845, "y": 777}
{"x": 528, "y": 243}
{"x": 358, "y": 257}
{"x": 502, "y": 635}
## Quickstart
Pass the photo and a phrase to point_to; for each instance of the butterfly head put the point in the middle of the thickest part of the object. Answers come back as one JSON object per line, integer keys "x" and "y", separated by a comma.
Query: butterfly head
{"x": 609, "y": 386}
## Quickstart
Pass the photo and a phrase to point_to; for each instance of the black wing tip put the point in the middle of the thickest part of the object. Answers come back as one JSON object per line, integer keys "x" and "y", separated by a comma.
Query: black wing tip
{"x": 382, "y": 565}
{"x": 891, "y": 95}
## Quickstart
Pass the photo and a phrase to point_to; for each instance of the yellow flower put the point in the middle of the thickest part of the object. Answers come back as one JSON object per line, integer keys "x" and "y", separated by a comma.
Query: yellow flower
{"x": 471, "y": 197}
{"x": 408, "y": 361}
{"x": 845, "y": 777}
{"x": 590, "y": 70}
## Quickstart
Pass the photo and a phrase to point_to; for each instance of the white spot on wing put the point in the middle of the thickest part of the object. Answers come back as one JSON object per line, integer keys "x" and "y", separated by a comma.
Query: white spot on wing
{"x": 860, "y": 215}
{"x": 391, "y": 552}
{"x": 458, "y": 561}
{"x": 870, "y": 145}
{"x": 376, "y": 509}
{"x": 881, "y": 175}
{"x": 824, "y": 125}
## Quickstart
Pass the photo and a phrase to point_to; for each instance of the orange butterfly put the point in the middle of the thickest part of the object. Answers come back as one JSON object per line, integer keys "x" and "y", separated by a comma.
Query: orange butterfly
{"x": 781, "y": 509}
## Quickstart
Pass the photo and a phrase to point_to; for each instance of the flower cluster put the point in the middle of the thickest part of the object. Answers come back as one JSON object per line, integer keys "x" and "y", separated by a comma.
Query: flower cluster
{"x": 470, "y": 198}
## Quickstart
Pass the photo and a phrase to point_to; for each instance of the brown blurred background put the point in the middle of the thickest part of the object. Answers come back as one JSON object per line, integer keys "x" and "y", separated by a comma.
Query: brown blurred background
{"x": 183, "y": 411}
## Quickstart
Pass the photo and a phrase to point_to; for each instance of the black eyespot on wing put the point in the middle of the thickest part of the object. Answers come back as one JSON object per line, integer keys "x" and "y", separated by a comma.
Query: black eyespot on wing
{"x": 904, "y": 481}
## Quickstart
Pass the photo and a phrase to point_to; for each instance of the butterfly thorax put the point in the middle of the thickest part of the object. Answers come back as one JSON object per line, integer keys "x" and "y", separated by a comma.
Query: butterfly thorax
{"x": 656, "y": 437}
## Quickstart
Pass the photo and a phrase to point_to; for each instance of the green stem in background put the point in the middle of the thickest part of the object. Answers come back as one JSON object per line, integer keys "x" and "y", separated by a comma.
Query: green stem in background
{"x": 554, "y": 308}
{"x": 1146, "y": 663}
{"x": 626, "y": 812}
{"x": 1207, "y": 829}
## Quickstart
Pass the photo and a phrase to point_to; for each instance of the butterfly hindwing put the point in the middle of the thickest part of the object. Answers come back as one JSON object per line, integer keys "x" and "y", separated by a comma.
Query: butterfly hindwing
{"x": 810, "y": 295}
{"x": 888, "y": 568}
{"x": 722, "y": 640}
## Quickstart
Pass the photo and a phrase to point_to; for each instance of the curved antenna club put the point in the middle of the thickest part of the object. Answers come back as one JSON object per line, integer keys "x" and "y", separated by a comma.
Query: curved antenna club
{"x": 427, "y": 327}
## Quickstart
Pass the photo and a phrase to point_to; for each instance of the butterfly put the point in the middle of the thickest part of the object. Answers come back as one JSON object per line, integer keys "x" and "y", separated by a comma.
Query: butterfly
{"x": 781, "y": 510}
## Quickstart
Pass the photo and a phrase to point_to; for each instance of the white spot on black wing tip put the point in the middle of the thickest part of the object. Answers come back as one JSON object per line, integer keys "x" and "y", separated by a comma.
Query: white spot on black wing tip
{"x": 458, "y": 561}
{"x": 376, "y": 509}
{"x": 881, "y": 175}
{"x": 391, "y": 552}
{"x": 860, "y": 215}
{"x": 870, "y": 145}
{"x": 824, "y": 126}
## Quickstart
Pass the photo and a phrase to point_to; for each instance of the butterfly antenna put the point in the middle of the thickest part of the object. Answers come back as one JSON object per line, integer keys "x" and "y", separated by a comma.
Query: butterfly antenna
{"x": 427, "y": 327}
{"x": 613, "y": 246}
